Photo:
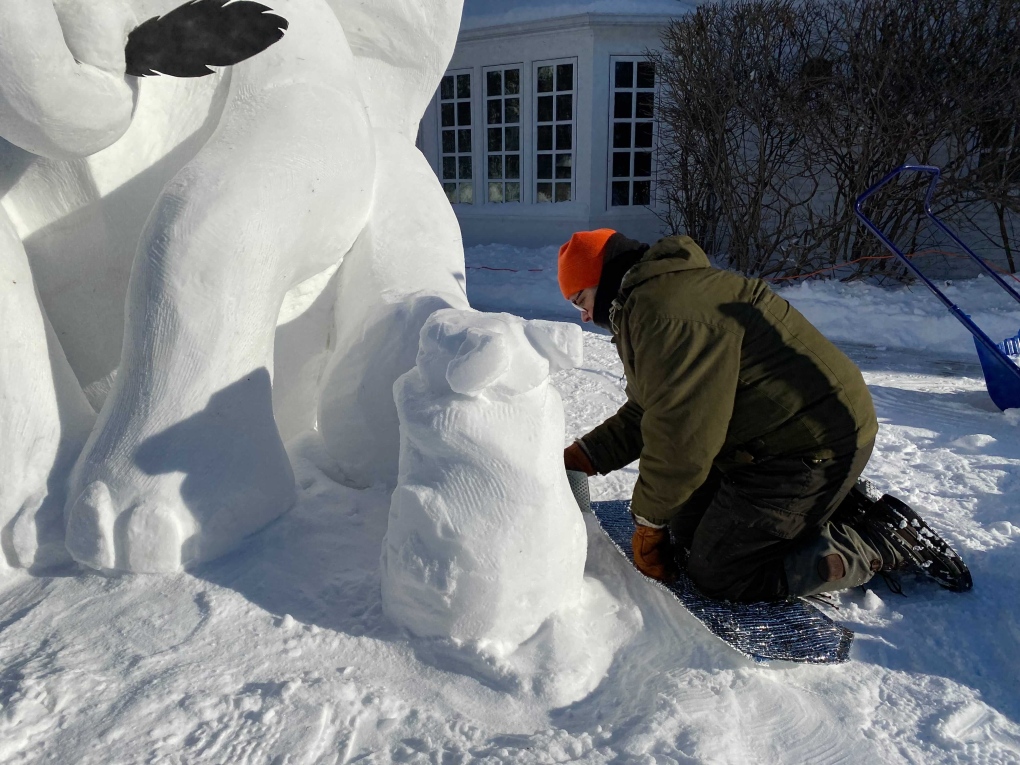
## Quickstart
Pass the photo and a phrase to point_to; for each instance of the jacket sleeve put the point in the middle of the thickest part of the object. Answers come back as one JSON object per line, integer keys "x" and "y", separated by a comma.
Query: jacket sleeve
{"x": 617, "y": 441}
{"x": 685, "y": 375}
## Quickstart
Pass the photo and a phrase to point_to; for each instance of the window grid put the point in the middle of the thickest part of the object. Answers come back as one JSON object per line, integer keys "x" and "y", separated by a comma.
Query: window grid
{"x": 632, "y": 131}
{"x": 455, "y": 137}
{"x": 555, "y": 87}
{"x": 503, "y": 134}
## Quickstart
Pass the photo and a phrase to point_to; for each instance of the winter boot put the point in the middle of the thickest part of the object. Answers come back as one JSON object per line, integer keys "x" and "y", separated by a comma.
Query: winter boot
{"x": 906, "y": 542}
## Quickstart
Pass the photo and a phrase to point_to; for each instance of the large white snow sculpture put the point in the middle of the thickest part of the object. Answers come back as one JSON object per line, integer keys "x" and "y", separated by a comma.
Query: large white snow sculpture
{"x": 484, "y": 540}
{"x": 225, "y": 199}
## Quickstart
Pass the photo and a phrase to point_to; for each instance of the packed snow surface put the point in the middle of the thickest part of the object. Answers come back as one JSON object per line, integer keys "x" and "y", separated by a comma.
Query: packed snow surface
{"x": 280, "y": 652}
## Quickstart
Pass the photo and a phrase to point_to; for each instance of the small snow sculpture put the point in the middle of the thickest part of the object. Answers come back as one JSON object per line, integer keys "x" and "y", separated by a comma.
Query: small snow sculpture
{"x": 484, "y": 540}
{"x": 169, "y": 252}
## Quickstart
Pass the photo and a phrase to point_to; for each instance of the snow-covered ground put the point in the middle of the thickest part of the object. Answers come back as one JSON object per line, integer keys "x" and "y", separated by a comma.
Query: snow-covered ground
{"x": 280, "y": 652}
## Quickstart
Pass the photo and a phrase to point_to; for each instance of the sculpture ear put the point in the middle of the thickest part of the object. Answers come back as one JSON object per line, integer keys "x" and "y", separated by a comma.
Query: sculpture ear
{"x": 481, "y": 360}
{"x": 560, "y": 343}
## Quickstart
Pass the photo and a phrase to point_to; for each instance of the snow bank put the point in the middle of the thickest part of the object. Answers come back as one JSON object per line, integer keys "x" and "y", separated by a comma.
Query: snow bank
{"x": 905, "y": 317}
{"x": 523, "y": 280}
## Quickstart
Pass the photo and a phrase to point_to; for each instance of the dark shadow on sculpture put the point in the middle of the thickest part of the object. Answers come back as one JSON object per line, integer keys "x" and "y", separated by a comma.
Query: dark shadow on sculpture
{"x": 237, "y": 473}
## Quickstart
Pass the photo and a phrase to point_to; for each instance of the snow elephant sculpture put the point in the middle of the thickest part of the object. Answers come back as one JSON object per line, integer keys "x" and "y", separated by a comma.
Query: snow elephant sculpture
{"x": 184, "y": 255}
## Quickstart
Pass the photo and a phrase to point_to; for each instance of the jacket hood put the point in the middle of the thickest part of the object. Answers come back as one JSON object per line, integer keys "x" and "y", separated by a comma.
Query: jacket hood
{"x": 673, "y": 253}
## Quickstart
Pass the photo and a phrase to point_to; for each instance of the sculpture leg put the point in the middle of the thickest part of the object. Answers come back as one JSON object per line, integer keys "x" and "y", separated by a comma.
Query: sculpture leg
{"x": 407, "y": 264}
{"x": 186, "y": 458}
{"x": 44, "y": 417}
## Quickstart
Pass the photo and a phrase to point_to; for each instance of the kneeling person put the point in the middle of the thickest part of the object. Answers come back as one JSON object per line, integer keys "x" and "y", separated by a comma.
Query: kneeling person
{"x": 751, "y": 428}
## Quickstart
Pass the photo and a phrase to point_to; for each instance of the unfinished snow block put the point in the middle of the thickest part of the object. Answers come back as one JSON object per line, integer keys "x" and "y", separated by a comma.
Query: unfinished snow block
{"x": 484, "y": 540}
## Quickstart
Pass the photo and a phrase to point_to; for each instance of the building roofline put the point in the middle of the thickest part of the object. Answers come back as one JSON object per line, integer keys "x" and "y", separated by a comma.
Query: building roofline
{"x": 561, "y": 23}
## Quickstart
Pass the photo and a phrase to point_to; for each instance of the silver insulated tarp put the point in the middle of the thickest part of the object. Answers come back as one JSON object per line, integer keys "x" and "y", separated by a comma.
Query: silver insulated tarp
{"x": 789, "y": 630}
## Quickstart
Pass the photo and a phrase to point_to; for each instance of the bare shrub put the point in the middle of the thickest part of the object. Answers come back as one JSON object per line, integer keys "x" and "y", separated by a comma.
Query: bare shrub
{"x": 775, "y": 115}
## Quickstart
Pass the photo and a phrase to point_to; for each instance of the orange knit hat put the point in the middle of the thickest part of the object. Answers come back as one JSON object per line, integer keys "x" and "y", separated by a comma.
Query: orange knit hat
{"x": 580, "y": 261}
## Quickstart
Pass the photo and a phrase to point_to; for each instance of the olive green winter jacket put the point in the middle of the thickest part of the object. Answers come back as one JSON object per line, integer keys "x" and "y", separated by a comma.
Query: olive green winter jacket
{"x": 720, "y": 370}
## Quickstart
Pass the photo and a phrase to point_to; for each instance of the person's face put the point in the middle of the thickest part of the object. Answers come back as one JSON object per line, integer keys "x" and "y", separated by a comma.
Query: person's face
{"x": 584, "y": 301}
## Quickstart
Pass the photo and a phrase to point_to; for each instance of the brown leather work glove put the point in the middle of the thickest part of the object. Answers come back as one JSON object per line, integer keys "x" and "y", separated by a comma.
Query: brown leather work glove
{"x": 574, "y": 458}
{"x": 653, "y": 553}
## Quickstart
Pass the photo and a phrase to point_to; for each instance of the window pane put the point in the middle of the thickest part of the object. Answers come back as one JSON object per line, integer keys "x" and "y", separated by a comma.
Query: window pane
{"x": 494, "y": 83}
{"x": 463, "y": 168}
{"x": 512, "y": 81}
{"x": 645, "y": 105}
{"x": 642, "y": 164}
{"x": 467, "y": 194}
{"x": 464, "y": 113}
{"x": 513, "y": 166}
{"x": 513, "y": 139}
{"x": 494, "y": 109}
{"x": 624, "y": 74}
{"x": 621, "y": 135}
{"x": 545, "y": 136}
{"x": 642, "y": 192}
{"x": 495, "y": 139}
{"x": 645, "y": 75}
{"x": 643, "y": 135}
{"x": 562, "y": 192}
{"x": 495, "y": 166}
{"x": 463, "y": 86}
{"x": 464, "y": 140}
{"x": 449, "y": 142}
{"x": 513, "y": 192}
{"x": 448, "y": 112}
{"x": 564, "y": 137}
{"x": 622, "y": 106}
{"x": 545, "y": 79}
{"x": 450, "y": 167}
{"x": 565, "y": 107}
{"x": 564, "y": 77}
{"x": 450, "y": 189}
{"x": 545, "y": 109}
{"x": 446, "y": 88}
{"x": 543, "y": 192}
{"x": 544, "y": 166}
{"x": 563, "y": 165}
{"x": 513, "y": 110}
{"x": 621, "y": 193}
{"x": 495, "y": 192}
{"x": 621, "y": 164}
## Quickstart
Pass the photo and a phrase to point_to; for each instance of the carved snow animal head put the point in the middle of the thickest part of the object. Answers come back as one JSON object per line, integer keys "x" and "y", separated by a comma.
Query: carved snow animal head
{"x": 498, "y": 355}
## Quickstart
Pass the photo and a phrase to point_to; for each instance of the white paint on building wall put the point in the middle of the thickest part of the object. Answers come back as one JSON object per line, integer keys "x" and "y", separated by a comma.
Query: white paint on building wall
{"x": 565, "y": 131}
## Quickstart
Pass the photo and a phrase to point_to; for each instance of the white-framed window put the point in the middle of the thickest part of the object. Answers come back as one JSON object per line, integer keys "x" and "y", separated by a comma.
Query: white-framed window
{"x": 554, "y": 103}
{"x": 503, "y": 134}
{"x": 457, "y": 171}
{"x": 631, "y": 131}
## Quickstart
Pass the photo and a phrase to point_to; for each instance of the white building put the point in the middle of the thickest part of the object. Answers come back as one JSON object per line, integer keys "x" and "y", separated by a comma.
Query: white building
{"x": 544, "y": 122}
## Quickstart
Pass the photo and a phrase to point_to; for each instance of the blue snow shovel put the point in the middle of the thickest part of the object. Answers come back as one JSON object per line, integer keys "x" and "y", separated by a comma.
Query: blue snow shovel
{"x": 1002, "y": 376}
